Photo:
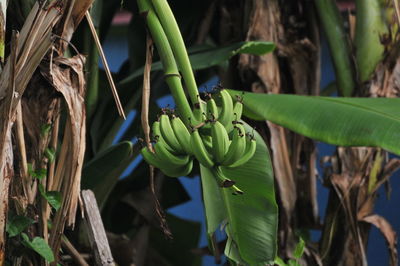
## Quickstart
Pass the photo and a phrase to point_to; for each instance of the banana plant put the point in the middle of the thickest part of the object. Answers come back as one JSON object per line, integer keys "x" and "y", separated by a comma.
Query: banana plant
{"x": 219, "y": 141}
{"x": 226, "y": 148}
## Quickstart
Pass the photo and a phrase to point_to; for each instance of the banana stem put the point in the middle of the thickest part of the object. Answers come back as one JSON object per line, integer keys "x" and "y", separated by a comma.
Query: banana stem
{"x": 370, "y": 28}
{"x": 225, "y": 182}
{"x": 338, "y": 44}
{"x": 175, "y": 39}
{"x": 172, "y": 76}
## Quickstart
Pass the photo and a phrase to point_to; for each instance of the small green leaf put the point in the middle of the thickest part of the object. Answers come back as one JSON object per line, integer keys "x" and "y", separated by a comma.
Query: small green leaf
{"x": 40, "y": 246}
{"x": 255, "y": 48}
{"x": 278, "y": 261}
{"x": 31, "y": 172}
{"x": 298, "y": 252}
{"x": 53, "y": 197}
{"x": 293, "y": 263}
{"x": 50, "y": 154}
{"x": 17, "y": 224}
{"x": 39, "y": 174}
{"x": 45, "y": 129}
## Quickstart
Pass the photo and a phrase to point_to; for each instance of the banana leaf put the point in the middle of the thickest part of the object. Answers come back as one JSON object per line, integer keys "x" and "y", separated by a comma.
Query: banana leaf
{"x": 213, "y": 56}
{"x": 103, "y": 171}
{"x": 214, "y": 207}
{"x": 373, "y": 122}
{"x": 251, "y": 218}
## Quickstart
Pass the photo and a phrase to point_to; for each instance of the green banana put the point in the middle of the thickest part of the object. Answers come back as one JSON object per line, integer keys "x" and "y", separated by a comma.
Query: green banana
{"x": 212, "y": 109}
{"x": 169, "y": 135}
{"x": 182, "y": 134}
{"x": 238, "y": 108}
{"x": 251, "y": 146}
{"x": 237, "y": 147}
{"x": 199, "y": 114}
{"x": 179, "y": 171}
{"x": 198, "y": 111}
{"x": 150, "y": 157}
{"x": 220, "y": 141}
{"x": 207, "y": 140}
{"x": 199, "y": 150}
{"x": 226, "y": 114}
{"x": 156, "y": 134}
{"x": 167, "y": 158}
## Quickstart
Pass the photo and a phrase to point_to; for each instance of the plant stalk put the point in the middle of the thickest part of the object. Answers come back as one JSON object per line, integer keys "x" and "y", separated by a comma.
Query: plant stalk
{"x": 171, "y": 72}
{"x": 370, "y": 28}
{"x": 175, "y": 39}
{"x": 338, "y": 44}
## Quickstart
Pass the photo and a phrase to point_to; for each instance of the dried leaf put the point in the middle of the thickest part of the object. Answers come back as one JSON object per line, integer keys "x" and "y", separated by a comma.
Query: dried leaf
{"x": 387, "y": 231}
{"x": 67, "y": 77}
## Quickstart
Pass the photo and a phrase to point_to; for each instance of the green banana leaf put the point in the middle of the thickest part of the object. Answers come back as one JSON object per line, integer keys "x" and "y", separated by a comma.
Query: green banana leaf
{"x": 214, "y": 207}
{"x": 213, "y": 56}
{"x": 251, "y": 218}
{"x": 103, "y": 171}
{"x": 373, "y": 122}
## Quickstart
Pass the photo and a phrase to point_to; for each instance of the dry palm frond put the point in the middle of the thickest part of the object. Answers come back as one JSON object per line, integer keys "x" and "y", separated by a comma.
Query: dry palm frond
{"x": 47, "y": 28}
{"x": 67, "y": 77}
{"x": 33, "y": 43}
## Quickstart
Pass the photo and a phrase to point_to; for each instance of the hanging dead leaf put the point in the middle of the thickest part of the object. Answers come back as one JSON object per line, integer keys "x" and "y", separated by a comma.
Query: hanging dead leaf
{"x": 388, "y": 233}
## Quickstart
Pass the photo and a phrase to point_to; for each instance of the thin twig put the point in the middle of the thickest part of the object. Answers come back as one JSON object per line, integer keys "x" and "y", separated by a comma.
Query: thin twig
{"x": 146, "y": 91}
{"x": 105, "y": 64}
{"x": 20, "y": 137}
{"x": 146, "y": 129}
{"x": 76, "y": 256}
{"x": 22, "y": 152}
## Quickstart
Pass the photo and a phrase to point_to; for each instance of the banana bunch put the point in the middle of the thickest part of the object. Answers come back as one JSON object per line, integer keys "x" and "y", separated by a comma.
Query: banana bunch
{"x": 172, "y": 149}
{"x": 220, "y": 139}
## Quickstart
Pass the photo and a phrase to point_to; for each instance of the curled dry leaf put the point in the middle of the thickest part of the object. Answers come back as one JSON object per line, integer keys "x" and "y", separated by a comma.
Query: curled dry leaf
{"x": 67, "y": 77}
{"x": 387, "y": 231}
